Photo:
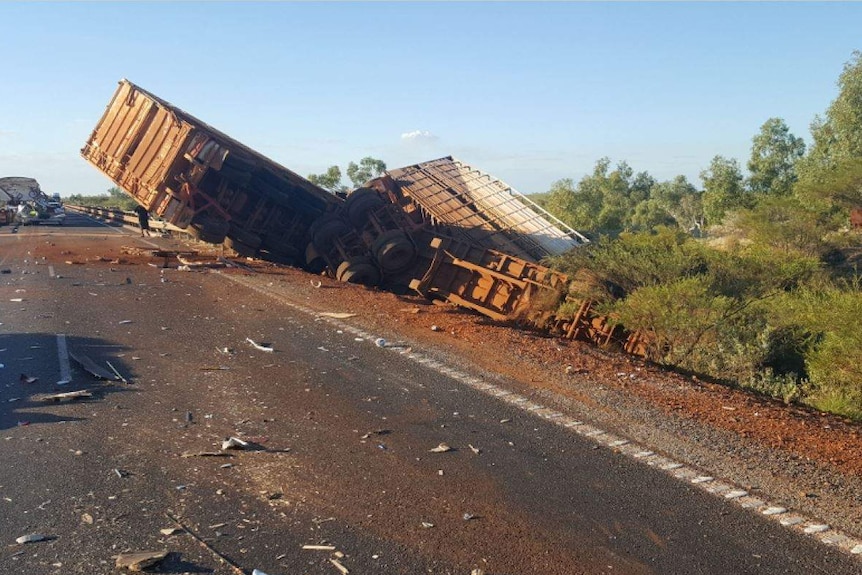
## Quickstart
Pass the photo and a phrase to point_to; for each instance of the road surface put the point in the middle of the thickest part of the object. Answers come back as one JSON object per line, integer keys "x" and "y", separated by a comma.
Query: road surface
{"x": 347, "y": 442}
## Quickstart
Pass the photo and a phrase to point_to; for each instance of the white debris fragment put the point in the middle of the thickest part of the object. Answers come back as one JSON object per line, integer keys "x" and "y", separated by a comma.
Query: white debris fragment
{"x": 259, "y": 346}
{"x": 233, "y": 443}
{"x": 442, "y": 448}
{"x": 31, "y": 538}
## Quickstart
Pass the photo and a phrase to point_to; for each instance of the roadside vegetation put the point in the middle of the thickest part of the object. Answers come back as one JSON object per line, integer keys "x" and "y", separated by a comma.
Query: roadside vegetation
{"x": 753, "y": 279}
{"x": 114, "y": 198}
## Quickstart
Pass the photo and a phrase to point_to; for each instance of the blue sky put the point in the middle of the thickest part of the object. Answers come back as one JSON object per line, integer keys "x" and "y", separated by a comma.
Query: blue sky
{"x": 529, "y": 92}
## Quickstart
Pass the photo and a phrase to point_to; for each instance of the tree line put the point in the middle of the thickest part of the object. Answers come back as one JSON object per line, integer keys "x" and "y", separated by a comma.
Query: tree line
{"x": 753, "y": 279}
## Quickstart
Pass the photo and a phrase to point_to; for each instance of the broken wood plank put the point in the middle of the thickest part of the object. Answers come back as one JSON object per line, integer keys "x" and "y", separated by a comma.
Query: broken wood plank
{"x": 68, "y": 396}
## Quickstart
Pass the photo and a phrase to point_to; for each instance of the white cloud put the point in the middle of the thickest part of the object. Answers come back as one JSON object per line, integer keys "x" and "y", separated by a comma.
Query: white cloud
{"x": 419, "y": 136}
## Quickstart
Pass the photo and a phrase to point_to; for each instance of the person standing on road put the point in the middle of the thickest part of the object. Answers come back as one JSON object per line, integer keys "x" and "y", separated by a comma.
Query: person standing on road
{"x": 143, "y": 220}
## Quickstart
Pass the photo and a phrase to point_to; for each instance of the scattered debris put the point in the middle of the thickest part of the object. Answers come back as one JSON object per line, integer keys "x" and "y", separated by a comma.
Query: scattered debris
{"x": 90, "y": 366}
{"x": 257, "y": 572}
{"x": 260, "y": 346}
{"x": 206, "y": 545}
{"x": 140, "y": 560}
{"x": 505, "y": 420}
{"x": 17, "y": 299}
{"x": 69, "y": 396}
{"x": 477, "y": 572}
{"x": 117, "y": 373}
{"x": 31, "y": 538}
{"x": 233, "y": 443}
{"x": 125, "y": 321}
{"x": 435, "y": 328}
{"x": 27, "y": 379}
{"x": 200, "y": 264}
{"x": 475, "y": 450}
{"x": 207, "y": 454}
{"x": 442, "y": 448}
{"x": 380, "y": 342}
{"x": 469, "y": 516}
{"x": 319, "y": 547}
{"x": 339, "y": 566}
{"x": 168, "y": 531}
{"x": 427, "y": 525}
{"x": 120, "y": 473}
{"x": 87, "y": 518}
{"x": 316, "y": 284}
{"x": 337, "y": 314}
{"x": 377, "y": 432}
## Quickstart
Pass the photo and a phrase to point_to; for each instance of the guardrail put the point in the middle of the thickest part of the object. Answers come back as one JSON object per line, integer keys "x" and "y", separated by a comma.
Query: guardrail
{"x": 125, "y": 218}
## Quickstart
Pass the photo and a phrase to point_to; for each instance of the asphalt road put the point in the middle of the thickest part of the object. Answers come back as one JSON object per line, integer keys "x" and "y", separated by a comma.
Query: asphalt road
{"x": 340, "y": 434}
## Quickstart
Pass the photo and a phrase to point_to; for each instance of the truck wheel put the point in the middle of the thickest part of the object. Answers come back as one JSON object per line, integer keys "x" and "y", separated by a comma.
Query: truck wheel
{"x": 394, "y": 251}
{"x": 313, "y": 262}
{"x": 359, "y": 203}
{"x": 207, "y": 228}
{"x": 325, "y": 230}
{"x": 358, "y": 270}
{"x": 241, "y": 248}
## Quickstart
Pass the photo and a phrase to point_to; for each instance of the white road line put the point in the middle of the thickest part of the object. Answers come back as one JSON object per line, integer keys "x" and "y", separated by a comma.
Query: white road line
{"x": 63, "y": 356}
{"x": 734, "y": 495}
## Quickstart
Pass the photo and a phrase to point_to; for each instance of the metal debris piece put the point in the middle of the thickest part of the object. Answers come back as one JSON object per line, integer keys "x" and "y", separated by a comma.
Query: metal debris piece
{"x": 427, "y": 525}
{"x": 260, "y": 346}
{"x": 469, "y": 516}
{"x": 319, "y": 547}
{"x": 90, "y": 366}
{"x": 376, "y": 432}
{"x": 339, "y": 566}
{"x": 117, "y": 373}
{"x": 31, "y": 538}
{"x": 442, "y": 448}
{"x": 125, "y": 321}
{"x": 140, "y": 560}
{"x": 475, "y": 450}
{"x": 233, "y": 443}
{"x": 69, "y": 396}
{"x": 207, "y": 454}
{"x": 316, "y": 284}
{"x": 380, "y": 342}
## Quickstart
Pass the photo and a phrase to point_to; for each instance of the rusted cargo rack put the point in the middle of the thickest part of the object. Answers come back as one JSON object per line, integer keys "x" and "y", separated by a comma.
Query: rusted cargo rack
{"x": 461, "y": 201}
{"x": 200, "y": 179}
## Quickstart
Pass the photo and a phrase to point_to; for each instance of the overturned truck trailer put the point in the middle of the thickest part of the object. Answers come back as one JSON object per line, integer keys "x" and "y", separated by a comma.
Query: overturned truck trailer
{"x": 441, "y": 228}
{"x": 202, "y": 180}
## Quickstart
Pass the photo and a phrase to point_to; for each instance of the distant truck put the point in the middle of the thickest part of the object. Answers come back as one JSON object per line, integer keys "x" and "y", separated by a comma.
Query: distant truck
{"x": 23, "y": 202}
{"x": 201, "y": 180}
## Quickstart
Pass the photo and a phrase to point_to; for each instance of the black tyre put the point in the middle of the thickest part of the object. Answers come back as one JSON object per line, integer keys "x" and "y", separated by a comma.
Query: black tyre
{"x": 314, "y": 263}
{"x": 207, "y": 228}
{"x": 394, "y": 251}
{"x": 360, "y": 203}
{"x": 325, "y": 230}
{"x": 358, "y": 270}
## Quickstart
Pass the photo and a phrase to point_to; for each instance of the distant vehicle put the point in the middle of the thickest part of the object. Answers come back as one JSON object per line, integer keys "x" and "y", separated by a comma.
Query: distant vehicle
{"x": 30, "y": 213}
